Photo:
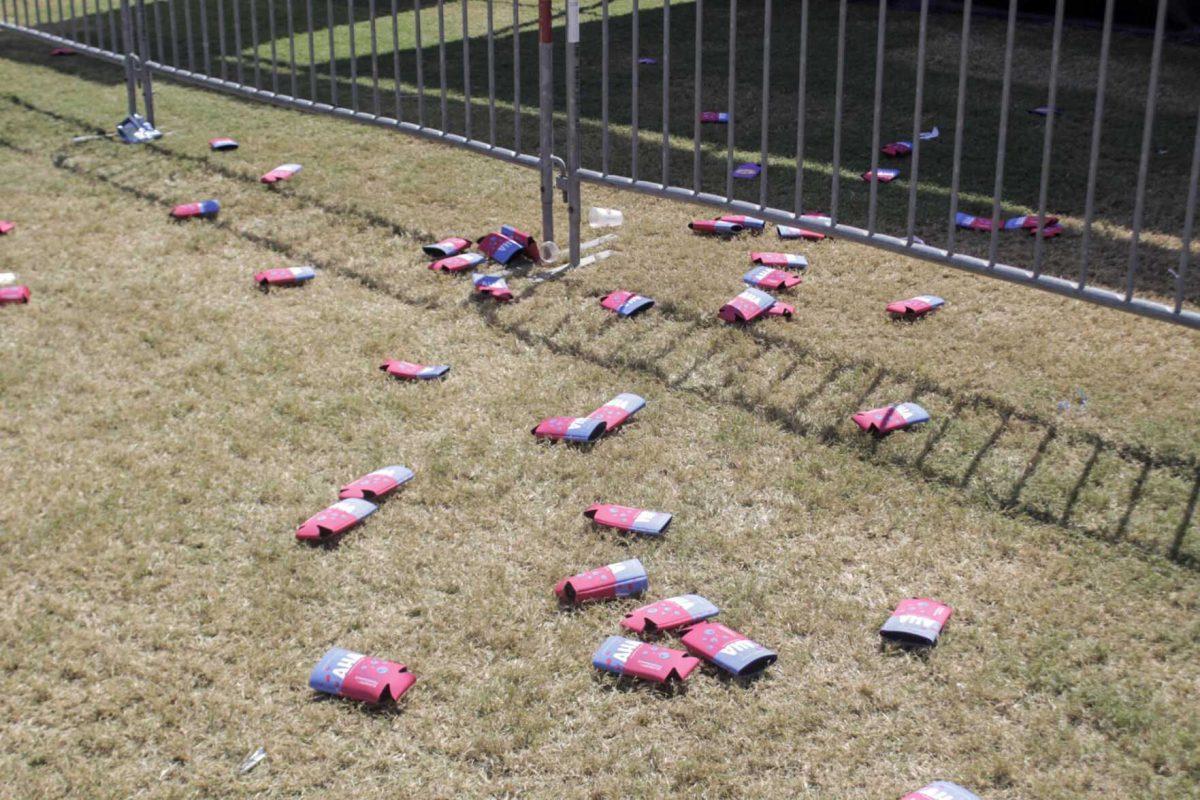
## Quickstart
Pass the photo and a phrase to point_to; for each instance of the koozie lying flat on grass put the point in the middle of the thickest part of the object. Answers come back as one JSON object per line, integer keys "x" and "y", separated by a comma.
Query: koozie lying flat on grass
{"x": 62, "y": 51}
{"x": 458, "y": 263}
{"x": 972, "y": 223}
{"x": 6, "y": 226}
{"x": 409, "y": 371}
{"x": 883, "y": 175}
{"x": 222, "y": 143}
{"x": 627, "y": 304}
{"x": 623, "y": 579}
{"x": 917, "y": 621}
{"x": 7, "y": 277}
{"x": 284, "y": 276}
{"x": 205, "y": 208}
{"x": 905, "y": 147}
{"x": 788, "y": 232}
{"x": 1028, "y": 222}
{"x": 451, "y": 246}
{"x": 749, "y": 223}
{"x": 281, "y": 173}
{"x": 629, "y": 657}
{"x": 1048, "y": 232}
{"x": 638, "y": 520}
{"x": 335, "y": 520}
{"x": 616, "y": 411}
{"x": 752, "y": 304}
{"x": 570, "y": 429}
{"x": 669, "y": 614}
{"x": 529, "y": 245}
{"x": 715, "y": 226}
{"x": 14, "y": 294}
{"x": 375, "y": 486}
{"x": 941, "y": 790}
{"x": 748, "y": 171}
{"x": 891, "y": 418}
{"x": 494, "y": 286}
{"x": 358, "y": 677}
{"x": 500, "y": 248}
{"x": 728, "y": 649}
{"x": 769, "y": 278}
{"x": 915, "y": 307}
{"x": 714, "y": 117}
{"x": 788, "y": 260}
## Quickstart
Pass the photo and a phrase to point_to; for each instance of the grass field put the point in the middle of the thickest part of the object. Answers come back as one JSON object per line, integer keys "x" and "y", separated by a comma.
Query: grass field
{"x": 166, "y": 427}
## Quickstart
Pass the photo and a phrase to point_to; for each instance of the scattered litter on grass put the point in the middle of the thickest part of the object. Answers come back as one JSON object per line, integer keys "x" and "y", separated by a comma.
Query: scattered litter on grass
{"x": 715, "y": 226}
{"x": 283, "y": 172}
{"x": 136, "y": 129}
{"x": 623, "y": 579}
{"x": 917, "y": 621}
{"x": 748, "y": 171}
{"x": 626, "y": 304}
{"x": 647, "y": 60}
{"x": 375, "y": 486}
{"x": 253, "y": 760}
{"x": 205, "y": 208}
{"x": 669, "y": 614}
{"x": 789, "y": 232}
{"x": 450, "y": 246}
{"x": 731, "y": 651}
{"x": 752, "y": 304}
{"x": 6, "y": 226}
{"x": 891, "y": 418}
{"x": 500, "y": 248}
{"x": 413, "y": 372}
{"x": 637, "y": 520}
{"x": 789, "y": 260}
{"x": 284, "y": 276}
{"x": 222, "y": 143}
{"x": 752, "y": 224}
{"x": 769, "y": 278}
{"x": 14, "y": 295}
{"x": 903, "y": 148}
{"x": 1045, "y": 111}
{"x": 494, "y": 286}
{"x": 882, "y": 175}
{"x": 629, "y": 657}
{"x": 7, "y": 277}
{"x": 915, "y": 307}
{"x": 62, "y": 51}
{"x": 714, "y": 117}
{"x": 345, "y": 673}
{"x": 605, "y": 217}
{"x": 458, "y": 263}
{"x": 971, "y": 222}
{"x": 335, "y": 520}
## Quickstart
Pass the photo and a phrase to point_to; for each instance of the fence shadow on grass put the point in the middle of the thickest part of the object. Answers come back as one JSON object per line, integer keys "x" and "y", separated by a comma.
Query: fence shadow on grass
{"x": 1002, "y": 457}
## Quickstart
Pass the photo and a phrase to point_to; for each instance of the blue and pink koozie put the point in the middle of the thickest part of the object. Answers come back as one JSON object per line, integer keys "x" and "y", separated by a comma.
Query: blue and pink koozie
{"x": 377, "y": 485}
{"x": 406, "y": 370}
{"x": 205, "y": 209}
{"x": 891, "y": 418}
{"x": 623, "y": 579}
{"x": 284, "y": 276}
{"x": 669, "y": 614}
{"x": 941, "y": 790}
{"x": 626, "y": 304}
{"x": 335, "y": 520}
{"x": 752, "y": 304}
{"x": 629, "y": 657}
{"x": 344, "y": 673}
{"x": 915, "y": 307}
{"x": 638, "y": 520}
{"x": 728, "y": 649}
{"x": 917, "y": 621}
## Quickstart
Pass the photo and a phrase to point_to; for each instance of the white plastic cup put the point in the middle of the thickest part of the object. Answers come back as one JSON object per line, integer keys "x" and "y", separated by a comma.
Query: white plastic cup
{"x": 605, "y": 217}
{"x": 549, "y": 252}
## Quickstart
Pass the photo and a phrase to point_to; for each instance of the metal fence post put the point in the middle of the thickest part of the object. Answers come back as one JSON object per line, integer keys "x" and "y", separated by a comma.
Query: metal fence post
{"x": 546, "y": 107}
{"x": 131, "y": 65}
{"x": 573, "y": 149}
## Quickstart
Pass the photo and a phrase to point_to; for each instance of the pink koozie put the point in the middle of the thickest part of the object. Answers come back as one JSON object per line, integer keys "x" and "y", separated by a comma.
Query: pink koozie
{"x": 281, "y": 173}
{"x": 335, "y": 520}
{"x": 615, "y": 412}
{"x": 358, "y": 677}
{"x": 666, "y": 615}
{"x": 6, "y": 226}
{"x": 378, "y": 484}
{"x": 13, "y": 294}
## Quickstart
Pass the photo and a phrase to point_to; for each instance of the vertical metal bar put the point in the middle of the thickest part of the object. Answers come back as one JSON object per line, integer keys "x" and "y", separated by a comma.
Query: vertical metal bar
{"x": 666, "y": 93}
{"x": 1139, "y": 203}
{"x": 1094, "y": 158}
{"x": 604, "y": 132}
{"x": 764, "y": 155}
{"x": 158, "y": 30}
{"x": 254, "y": 43}
{"x": 396, "y": 58}
{"x": 61, "y": 18}
{"x": 204, "y": 37}
{"x": 697, "y": 98}
{"x": 375, "y": 106}
{"x": 74, "y": 20}
{"x": 466, "y": 50}
{"x": 546, "y": 114}
{"x": 187, "y": 30}
{"x": 143, "y": 45}
{"x": 420, "y": 63}
{"x": 221, "y": 36}
{"x": 633, "y": 95}
{"x": 291, "y": 29}
{"x": 312, "y": 51}
{"x": 918, "y": 110}
{"x": 1047, "y": 141}
{"x": 37, "y": 18}
{"x": 274, "y": 51}
{"x": 87, "y": 34}
{"x": 731, "y": 100}
{"x": 1002, "y": 143}
{"x": 877, "y": 118}
{"x": 516, "y": 37}
{"x": 130, "y": 57}
{"x": 835, "y": 189}
{"x": 491, "y": 61}
{"x": 801, "y": 92}
{"x": 237, "y": 39}
{"x": 331, "y": 24}
{"x": 353, "y": 57}
{"x": 170, "y": 19}
{"x": 1189, "y": 219}
{"x": 442, "y": 61}
{"x": 573, "y": 146}
{"x": 956, "y": 170}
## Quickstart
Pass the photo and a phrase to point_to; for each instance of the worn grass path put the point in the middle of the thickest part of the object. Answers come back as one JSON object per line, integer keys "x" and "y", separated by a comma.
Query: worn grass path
{"x": 166, "y": 427}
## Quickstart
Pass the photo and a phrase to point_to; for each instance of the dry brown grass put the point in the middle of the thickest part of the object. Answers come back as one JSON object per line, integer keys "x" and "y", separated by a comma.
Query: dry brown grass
{"x": 166, "y": 426}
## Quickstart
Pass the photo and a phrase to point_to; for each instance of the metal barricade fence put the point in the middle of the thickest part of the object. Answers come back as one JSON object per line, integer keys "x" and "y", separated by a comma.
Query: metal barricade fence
{"x": 809, "y": 95}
